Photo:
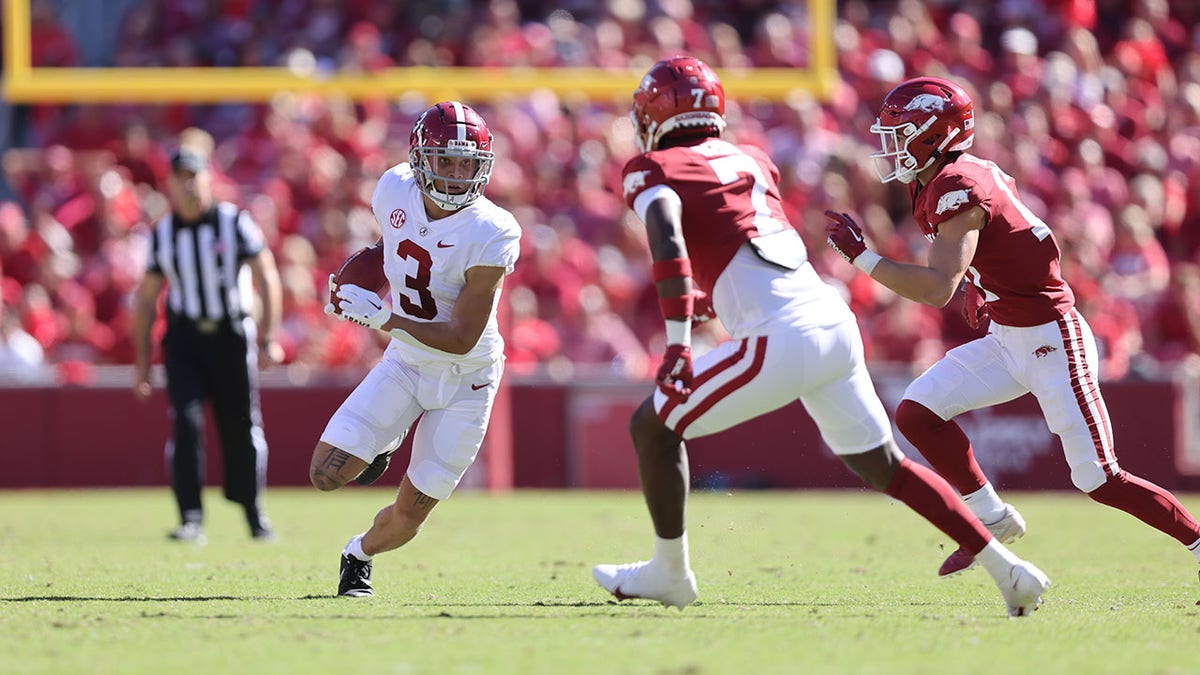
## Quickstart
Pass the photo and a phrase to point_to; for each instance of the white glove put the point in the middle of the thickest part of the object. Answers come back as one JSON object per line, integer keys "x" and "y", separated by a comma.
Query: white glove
{"x": 363, "y": 307}
{"x": 329, "y": 308}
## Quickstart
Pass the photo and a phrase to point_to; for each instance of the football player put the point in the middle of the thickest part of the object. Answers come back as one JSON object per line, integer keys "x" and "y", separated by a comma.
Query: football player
{"x": 985, "y": 237}
{"x": 715, "y": 222}
{"x": 446, "y": 251}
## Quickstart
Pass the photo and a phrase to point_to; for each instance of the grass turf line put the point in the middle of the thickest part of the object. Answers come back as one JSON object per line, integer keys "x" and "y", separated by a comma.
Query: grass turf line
{"x": 814, "y": 582}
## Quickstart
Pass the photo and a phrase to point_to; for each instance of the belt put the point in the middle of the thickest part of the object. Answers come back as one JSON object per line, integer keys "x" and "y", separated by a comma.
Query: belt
{"x": 206, "y": 326}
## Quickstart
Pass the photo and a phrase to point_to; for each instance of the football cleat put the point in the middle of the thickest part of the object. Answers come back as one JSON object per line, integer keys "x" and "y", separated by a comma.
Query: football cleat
{"x": 645, "y": 580}
{"x": 191, "y": 531}
{"x": 355, "y": 581}
{"x": 1008, "y": 529}
{"x": 260, "y": 524}
{"x": 1023, "y": 589}
{"x": 375, "y": 469}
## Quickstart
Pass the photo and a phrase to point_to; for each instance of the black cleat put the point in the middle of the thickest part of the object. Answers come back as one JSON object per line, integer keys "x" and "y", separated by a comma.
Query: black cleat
{"x": 355, "y": 581}
{"x": 375, "y": 469}
{"x": 190, "y": 531}
{"x": 260, "y": 525}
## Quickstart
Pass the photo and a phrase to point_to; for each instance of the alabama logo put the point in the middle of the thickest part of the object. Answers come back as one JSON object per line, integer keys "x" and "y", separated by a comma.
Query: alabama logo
{"x": 952, "y": 200}
{"x": 399, "y": 217}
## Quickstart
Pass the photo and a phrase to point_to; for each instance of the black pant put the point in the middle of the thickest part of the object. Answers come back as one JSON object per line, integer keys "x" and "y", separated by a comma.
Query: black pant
{"x": 214, "y": 361}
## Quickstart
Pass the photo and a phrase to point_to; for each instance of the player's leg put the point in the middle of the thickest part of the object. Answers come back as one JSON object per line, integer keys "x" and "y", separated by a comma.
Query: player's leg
{"x": 371, "y": 421}
{"x": 185, "y": 450}
{"x": 445, "y": 443}
{"x": 663, "y": 471}
{"x": 1075, "y": 410}
{"x": 974, "y": 375}
{"x": 853, "y": 423}
{"x": 731, "y": 385}
{"x": 394, "y": 526}
{"x": 233, "y": 377}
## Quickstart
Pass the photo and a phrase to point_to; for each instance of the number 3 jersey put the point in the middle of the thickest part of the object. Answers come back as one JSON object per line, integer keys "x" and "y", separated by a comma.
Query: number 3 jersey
{"x": 426, "y": 263}
{"x": 1016, "y": 260}
{"x": 744, "y": 252}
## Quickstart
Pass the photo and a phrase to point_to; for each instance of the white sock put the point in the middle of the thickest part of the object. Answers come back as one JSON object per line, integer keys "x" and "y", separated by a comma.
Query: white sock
{"x": 997, "y": 560}
{"x": 672, "y": 554}
{"x": 985, "y": 504}
{"x": 354, "y": 548}
{"x": 1195, "y": 549}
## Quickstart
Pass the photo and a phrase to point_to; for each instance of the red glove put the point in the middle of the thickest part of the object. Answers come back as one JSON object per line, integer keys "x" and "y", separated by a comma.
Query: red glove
{"x": 974, "y": 310}
{"x": 844, "y": 236}
{"x": 675, "y": 374}
{"x": 702, "y": 308}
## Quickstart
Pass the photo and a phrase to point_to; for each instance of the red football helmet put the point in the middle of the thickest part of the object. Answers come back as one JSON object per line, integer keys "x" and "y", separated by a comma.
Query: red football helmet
{"x": 921, "y": 120}
{"x": 678, "y": 93}
{"x": 443, "y": 135}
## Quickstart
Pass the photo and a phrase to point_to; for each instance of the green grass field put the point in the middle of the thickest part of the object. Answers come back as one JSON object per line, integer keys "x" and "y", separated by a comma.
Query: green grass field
{"x": 803, "y": 582}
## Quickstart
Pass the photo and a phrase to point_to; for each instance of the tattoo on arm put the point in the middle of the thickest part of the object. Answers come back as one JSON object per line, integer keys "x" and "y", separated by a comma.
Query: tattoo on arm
{"x": 424, "y": 501}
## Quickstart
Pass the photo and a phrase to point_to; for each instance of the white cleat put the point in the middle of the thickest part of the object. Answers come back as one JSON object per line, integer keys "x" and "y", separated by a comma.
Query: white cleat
{"x": 1023, "y": 589}
{"x": 1006, "y": 530}
{"x": 645, "y": 580}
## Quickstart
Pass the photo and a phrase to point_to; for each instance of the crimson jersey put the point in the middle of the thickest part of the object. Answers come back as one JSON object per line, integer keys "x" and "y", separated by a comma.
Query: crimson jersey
{"x": 1016, "y": 262}
{"x": 730, "y": 195}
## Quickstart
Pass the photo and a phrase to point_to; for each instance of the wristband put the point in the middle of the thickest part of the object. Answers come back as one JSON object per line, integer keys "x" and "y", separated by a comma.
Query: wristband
{"x": 867, "y": 260}
{"x": 671, "y": 268}
{"x": 679, "y": 332}
{"x": 677, "y": 307}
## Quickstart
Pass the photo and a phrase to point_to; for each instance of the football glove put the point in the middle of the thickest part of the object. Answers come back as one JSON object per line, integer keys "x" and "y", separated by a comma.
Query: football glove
{"x": 974, "y": 308}
{"x": 844, "y": 236}
{"x": 675, "y": 374}
{"x": 362, "y": 306}
{"x": 329, "y": 308}
{"x": 702, "y": 308}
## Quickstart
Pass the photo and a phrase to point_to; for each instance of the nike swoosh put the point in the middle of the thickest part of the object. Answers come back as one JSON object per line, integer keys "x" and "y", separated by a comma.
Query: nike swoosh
{"x": 440, "y": 244}
{"x": 477, "y": 387}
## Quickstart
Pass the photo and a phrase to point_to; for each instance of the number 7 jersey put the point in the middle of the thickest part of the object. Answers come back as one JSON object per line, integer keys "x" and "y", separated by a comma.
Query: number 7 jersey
{"x": 426, "y": 262}
{"x": 730, "y": 196}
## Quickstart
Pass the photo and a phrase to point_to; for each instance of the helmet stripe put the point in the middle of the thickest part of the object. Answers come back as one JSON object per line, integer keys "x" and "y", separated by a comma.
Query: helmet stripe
{"x": 460, "y": 120}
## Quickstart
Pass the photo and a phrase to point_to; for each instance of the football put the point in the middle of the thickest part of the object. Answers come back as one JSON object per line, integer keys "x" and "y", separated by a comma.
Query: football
{"x": 364, "y": 268}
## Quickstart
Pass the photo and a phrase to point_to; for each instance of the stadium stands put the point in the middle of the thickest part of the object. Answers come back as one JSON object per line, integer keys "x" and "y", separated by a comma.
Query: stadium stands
{"x": 1093, "y": 106}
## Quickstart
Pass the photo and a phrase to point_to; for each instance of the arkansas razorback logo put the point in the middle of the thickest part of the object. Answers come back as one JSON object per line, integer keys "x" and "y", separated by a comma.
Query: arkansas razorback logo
{"x": 1044, "y": 350}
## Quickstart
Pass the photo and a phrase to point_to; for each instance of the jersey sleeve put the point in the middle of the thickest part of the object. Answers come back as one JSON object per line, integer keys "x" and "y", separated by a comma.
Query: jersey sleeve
{"x": 381, "y": 188}
{"x": 640, "y": 173}
{"x": 955, "y": 193}
{"x": 763, "y": 160}
{"x": 249, "y": 235}
{"x": 503, "y": 249}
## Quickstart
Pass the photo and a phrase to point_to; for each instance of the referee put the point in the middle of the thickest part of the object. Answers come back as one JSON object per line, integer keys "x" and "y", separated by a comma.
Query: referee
{"x": 212, "y": 347}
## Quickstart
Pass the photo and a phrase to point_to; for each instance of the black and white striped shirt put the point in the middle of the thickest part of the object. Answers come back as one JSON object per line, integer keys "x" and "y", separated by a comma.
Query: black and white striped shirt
{"x": 203, "y": 263}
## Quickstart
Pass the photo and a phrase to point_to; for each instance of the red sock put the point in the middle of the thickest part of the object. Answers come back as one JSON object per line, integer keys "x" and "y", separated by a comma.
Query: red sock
{"x": 943, "y": 444}
{"x": 929, "y": 495}
{"x": 1150, "y": 504}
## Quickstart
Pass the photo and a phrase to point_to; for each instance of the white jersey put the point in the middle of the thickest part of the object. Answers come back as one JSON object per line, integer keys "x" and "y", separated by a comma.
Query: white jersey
{"x": 426, "y": 263}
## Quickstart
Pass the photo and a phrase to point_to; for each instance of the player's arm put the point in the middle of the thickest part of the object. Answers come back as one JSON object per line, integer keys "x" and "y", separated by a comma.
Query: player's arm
{"x": 145, "y": 307}
{"x": 472, "y": 309}
{"x": 266, "y": 280}
{"x": 933, "y": 284}
{"x": 672, "y": 273}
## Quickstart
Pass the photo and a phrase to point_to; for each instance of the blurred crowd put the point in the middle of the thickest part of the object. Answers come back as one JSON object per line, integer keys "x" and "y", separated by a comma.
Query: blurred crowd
{"x": 1093, "y": 106}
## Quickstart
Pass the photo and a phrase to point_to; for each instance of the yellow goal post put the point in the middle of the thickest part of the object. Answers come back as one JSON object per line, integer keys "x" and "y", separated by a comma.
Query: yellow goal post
{"x": 23, "y": 83}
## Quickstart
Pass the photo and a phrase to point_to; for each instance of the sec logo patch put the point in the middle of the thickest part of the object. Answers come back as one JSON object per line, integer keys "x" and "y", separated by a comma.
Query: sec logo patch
{"x": 399, "y": 217}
